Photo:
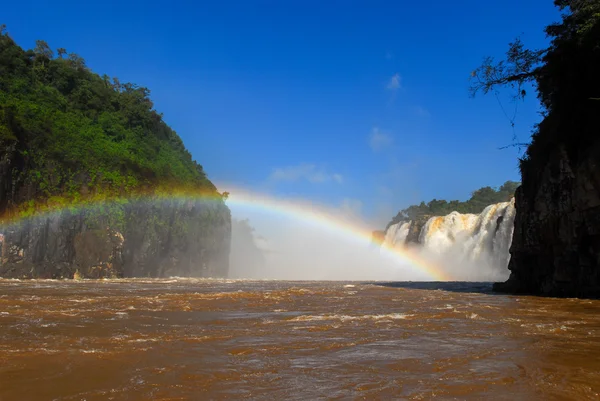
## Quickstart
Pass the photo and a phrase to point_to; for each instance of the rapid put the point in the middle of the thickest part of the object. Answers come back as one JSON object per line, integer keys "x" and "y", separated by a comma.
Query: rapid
{"x": 180, "y": 339}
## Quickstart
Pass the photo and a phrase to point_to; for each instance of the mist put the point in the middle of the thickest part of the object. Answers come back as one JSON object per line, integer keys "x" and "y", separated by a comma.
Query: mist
{"x": 271, "y": 246}
{"x": 293, "y": 249}
{"x": 454, "y": 263}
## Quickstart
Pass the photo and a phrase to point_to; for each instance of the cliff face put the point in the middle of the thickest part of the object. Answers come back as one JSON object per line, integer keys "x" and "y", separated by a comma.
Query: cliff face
{"x": 413, "y": 231}
{"x": 183, "y": 238}
{"x": 154, "y": 239}
{"x": 556, "y": 244}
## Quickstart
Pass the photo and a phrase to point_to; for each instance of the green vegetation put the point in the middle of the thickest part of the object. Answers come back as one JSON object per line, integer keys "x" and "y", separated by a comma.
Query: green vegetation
{"x": 73, "y": 136}
{"x": 567, "y": 81}
{"x": 479, "y": 200}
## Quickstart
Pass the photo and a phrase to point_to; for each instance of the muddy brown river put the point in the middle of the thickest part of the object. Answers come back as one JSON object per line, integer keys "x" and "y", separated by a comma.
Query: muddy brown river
{"x": 193, "y": 339}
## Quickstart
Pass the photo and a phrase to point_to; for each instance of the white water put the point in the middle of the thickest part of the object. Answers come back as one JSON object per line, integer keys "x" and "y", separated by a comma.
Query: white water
{"x": 467, "y": 246}
{"x": 396, "y": 235}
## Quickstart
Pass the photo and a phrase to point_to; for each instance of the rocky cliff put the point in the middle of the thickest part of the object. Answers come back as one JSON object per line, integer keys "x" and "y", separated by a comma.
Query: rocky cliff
{"x": 556, "y": 245}
{"x": 153, "y": 239}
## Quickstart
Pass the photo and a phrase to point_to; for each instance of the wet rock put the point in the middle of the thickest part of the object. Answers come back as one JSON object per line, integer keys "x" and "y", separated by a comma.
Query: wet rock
{"x": 414, "y": 231}
{"x": 99, "y": 253}
{"x": 155, "y": 239}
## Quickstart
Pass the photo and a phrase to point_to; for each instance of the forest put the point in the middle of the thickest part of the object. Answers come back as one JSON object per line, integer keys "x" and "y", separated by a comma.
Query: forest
{"x": 71, "y": 135}
{"x": 479, "y": 200}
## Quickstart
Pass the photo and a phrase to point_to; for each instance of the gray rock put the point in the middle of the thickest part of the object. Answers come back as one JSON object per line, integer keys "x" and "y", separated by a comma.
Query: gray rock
{"x": 152, "y": 239}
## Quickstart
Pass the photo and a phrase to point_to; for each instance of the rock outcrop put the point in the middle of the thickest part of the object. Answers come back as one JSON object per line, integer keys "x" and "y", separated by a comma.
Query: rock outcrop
{"x": 556, "y": 245}
{"x": 414, "y": 230}
{"x": 153, "y": 239}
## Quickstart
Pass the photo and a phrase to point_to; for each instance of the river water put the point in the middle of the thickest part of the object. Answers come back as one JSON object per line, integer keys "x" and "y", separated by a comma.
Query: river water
{"x": 194, "y": 339}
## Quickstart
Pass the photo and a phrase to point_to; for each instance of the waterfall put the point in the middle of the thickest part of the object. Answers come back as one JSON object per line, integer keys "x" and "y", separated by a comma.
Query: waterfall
{"x": 396, "y": 234}
{"x": 469, "y": 246}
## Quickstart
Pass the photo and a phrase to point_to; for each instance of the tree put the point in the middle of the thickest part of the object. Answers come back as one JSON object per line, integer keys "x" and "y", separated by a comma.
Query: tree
{"x": 546, "y": 67}
{"x": 74, "y": 129}
{"x": 61, "y": 52}
{"x": 106, "y": 80}
{"x": 2, "y": 29}
{"x": 521, "y": 66}
{"x": 43, "y": 50}
{"x": 76, "y": 61}
{"x": 479, "y": 200}
{"x": 508, "y": 189}
{"x": 565, "y": 76}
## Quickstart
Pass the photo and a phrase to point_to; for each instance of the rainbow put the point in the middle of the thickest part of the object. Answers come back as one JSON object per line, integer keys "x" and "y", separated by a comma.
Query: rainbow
{"x": 292, "y": 208}
{"x": 330, "y": 220}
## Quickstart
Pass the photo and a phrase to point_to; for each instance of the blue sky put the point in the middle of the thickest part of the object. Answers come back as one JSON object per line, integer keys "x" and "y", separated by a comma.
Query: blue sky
{"x": 357, "y": 104}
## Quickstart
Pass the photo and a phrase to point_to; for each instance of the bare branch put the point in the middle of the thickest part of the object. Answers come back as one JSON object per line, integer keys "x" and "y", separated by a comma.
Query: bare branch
{"x": 521, "y": 65}
{"x": 514, "y": 145}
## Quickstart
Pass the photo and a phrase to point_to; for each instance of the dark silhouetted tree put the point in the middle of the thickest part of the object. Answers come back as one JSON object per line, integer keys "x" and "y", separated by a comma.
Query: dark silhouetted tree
{"x": 566, "y": 78}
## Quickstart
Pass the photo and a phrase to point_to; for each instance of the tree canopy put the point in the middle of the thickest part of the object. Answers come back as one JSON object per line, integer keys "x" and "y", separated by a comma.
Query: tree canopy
{"x": 479, "y": 200}
{"x": 77, "y": 132}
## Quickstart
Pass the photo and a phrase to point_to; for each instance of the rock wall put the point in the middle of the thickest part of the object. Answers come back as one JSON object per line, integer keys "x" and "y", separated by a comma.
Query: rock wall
{"x": 556, "y": 245}
{"x": 150, "y": 239}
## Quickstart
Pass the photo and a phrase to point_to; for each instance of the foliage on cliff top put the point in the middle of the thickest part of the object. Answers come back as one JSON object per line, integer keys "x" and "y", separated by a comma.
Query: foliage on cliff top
{"x": 479, "y": 200}
{"x": 567, "y": 81}
{"x": 79, "y": 136}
